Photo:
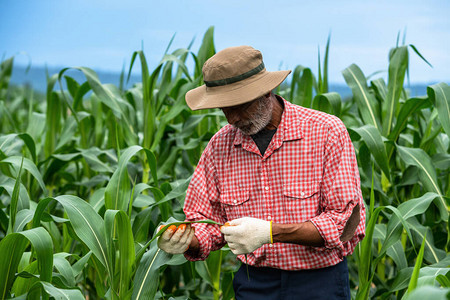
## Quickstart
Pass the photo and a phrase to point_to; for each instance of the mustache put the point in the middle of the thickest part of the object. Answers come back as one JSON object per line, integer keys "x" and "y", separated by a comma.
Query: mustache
{"x": 241, "y": 124}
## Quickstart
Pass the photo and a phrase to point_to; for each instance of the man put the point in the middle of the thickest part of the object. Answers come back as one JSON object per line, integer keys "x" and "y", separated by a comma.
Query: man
{"x": 284, "y": 177}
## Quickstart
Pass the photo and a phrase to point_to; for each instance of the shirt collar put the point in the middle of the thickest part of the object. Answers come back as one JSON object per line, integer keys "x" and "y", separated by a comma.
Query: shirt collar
{"x": 288, "y": 129}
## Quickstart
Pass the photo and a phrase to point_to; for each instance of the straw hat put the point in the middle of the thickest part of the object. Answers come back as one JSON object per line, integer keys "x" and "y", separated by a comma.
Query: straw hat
{"x": 233, "y": 76}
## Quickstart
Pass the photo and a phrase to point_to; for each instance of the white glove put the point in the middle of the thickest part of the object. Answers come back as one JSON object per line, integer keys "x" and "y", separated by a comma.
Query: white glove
{"x": 176, "y": 241}
{"x": 245, "y": 235}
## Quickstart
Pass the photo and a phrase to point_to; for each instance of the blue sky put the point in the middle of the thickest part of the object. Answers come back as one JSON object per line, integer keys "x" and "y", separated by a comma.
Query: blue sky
{"x": 103, "y": 34}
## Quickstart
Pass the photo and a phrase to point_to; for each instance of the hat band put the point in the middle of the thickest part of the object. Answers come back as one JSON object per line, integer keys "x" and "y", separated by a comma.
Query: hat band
{"x": 234, "y": 79}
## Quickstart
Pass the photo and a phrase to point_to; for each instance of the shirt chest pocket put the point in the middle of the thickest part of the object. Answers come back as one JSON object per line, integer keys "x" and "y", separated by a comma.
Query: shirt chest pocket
{"x": 301, "y": 200}
{"x": 236, "y": 203}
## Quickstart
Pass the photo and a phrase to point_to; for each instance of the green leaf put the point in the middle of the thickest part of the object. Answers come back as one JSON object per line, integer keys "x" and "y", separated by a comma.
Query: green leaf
{"x": 429, "y": 292}
{"x": 329, "y": 103}
{"x": 397, "y": 253}
{"x": 366, "y": 102}
{"x": 440, "y": 96}
{"x": 8, "y": 141}
{"x": 178, "y": 191}
{"x": 374, "y": 141}
{"x": 91, "y": 157}
{"x": 6, "y": 67}
{"x": 116, "y": 220}
{"x": 432, "y": 253}
{"x": 415, "y": 275}
{"x": 23, "y": 217}
{"x": 380, "y": 88}
{"x": 205, "y": 51}
{"x": 408, "y": 109}
{"x": 57, "y": 293}
{"x": 118, "y": 190}
{"x": 301, "y": 92}
{"x": 397, "y": 69}
{"x": 14, "y": 201}
{"x": 12, "y": 248}
{"x": 365, "y": 257}
{"x": 53, "y": 121}
{"x": 8, "y": 184}
{"x": 64, "y": 268}
{"x": 146, "y": 280}
{"x": 427, "y": 173}
{"x": 87, "y": 224}
{"x": 29, "y": 166}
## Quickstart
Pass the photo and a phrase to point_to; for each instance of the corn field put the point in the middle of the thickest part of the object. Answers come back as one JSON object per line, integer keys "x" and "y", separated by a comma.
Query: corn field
{"x": 89, "y": 170}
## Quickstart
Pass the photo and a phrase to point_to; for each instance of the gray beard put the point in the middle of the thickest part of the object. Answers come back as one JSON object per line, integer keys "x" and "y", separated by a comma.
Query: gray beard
{"x": 261, "y": 118}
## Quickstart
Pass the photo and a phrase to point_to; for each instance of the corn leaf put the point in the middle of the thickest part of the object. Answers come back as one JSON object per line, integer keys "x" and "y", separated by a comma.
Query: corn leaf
{"x": 116, "y": 220}
{"x": 397, "y": 253}
{"x": 366, "y": 102}
{"x": 118, "y": 190}
{"x": 432, "y": 253}
{"x": 410, "y": 107}
{"x": 87, "y": 224}
{"x": 56, "y": 293}
{"x": 397, "y": 68}
{"x": 14, "y": 201}
{"x": 146, "y": 280}
{"x": 23, "y": 217}
{"x": 301, "y": 92}
{"x": 429, "y": 292}
{"x": 328, "y": 102}
{"x": 415, "y": 274}
{"x": 64, "y": 268}
{"x": 440, "y": 96}
{"x": 374, "y": 141}
{"x": 427, "y": 173}
{"x": 29, "y": 166}
{"x": 408, "y": 210}
{"x": 7, "y": 142}
{"x": 365, "y": 256}
{"x": 206, "y": 50}
{"x": 6, "y": 67}
{"x": 8, "y": 184}
{"x": 52, "y": 122}
{"x": 12, "y": 247}
{"x": 380, "y": 88}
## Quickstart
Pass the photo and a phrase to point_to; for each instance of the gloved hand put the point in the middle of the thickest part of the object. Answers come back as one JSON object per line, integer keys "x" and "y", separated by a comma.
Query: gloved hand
{"x": 176, "y": 241}
{"x": 245, "y": 235}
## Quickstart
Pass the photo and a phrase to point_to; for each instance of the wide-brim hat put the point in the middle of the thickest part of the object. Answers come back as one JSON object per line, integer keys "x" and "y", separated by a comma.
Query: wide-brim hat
{"x": 234, "y": 76}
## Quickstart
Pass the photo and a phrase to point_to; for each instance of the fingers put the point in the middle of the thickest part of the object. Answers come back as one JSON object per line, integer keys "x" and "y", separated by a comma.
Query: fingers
{"x": 167, "y": 235}
{"x": 238, "y": 221}
{"x": 183, "y": 232}
{"x": 175, "y": 235}
{"x": 227, "y": 228}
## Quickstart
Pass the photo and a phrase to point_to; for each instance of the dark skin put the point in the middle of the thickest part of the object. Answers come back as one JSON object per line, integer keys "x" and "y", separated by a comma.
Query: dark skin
{"x": 297, "y": 233}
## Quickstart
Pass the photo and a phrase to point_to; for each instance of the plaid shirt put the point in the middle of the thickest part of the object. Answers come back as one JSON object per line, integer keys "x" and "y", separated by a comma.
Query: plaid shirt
{"x": 308, "y": 172}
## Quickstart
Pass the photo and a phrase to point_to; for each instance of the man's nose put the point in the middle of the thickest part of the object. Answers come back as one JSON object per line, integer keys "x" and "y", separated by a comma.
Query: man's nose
{"x": 232, "y": 117}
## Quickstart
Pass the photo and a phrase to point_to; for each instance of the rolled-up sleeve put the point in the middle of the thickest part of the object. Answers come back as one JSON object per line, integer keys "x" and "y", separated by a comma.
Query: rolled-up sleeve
{"x": 340, "y": 192}
{"x": 202, "y": 202}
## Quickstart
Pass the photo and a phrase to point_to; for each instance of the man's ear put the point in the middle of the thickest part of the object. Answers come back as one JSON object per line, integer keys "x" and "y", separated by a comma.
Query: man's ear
{"x": 269, "y": 94}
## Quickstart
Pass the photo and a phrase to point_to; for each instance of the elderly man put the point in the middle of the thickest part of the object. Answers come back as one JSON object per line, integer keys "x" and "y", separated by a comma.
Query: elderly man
{"x": 284, "y": 177}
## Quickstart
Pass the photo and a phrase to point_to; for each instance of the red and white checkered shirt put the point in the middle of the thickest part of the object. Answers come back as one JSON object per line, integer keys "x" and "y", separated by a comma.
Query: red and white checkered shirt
{"x": 308, "y": 172}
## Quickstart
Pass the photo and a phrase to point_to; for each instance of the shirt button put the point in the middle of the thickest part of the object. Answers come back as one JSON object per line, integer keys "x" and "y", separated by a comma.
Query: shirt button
{"x": 266, "y": 188}
{"x": 302, "y": 194}
{"x": 234, "y": 201}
